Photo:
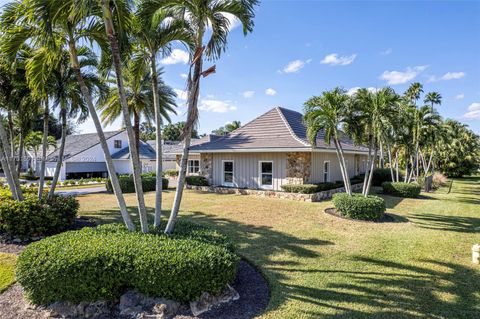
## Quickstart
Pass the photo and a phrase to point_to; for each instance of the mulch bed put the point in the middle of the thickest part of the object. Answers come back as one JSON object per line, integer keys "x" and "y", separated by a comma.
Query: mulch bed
{"x": 387, "y": 218}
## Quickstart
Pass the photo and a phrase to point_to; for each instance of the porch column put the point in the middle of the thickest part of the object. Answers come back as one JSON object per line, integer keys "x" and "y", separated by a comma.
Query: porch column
{"x": 299, "y": 167}
{"x": 206, "y": 166}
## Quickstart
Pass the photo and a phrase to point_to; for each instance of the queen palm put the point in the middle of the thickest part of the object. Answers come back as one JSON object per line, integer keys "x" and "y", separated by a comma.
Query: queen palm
{"x": 327, "y": 113}
{"x": 433, "y": 98}
{"x": 199, "y": 15}
{"x": 35, "y": 21}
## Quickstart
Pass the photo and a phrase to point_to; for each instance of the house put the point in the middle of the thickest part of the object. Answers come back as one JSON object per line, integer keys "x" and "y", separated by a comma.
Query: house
{"x": 83, "y": 156}
{"x": 270, "y": 151}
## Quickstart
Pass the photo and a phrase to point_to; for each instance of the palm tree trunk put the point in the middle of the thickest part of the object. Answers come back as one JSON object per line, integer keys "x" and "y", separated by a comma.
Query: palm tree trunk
{"x": 103, "y": 142}
{"x": 397, "y": 173}
{"x": 46, "y": 115}
{"x": 137, "y": 168}
{"x": 367, "y": 171}
{"x": 389, "y": 151}
{"x": 193, "y": 92}
{"x": 11, "y": 132}
{"x": 429, "y": 162}
{"x": 158, "y": 143}
{"x": 136, "y": 130}
{"x": 8, "y": 164}
{"x": 21, "y": 147}
{"x": 382, "y": 158}
{"x": 370, "y": 176}
{"x": 341, "y": 160}
{"x": 61, "y": 151}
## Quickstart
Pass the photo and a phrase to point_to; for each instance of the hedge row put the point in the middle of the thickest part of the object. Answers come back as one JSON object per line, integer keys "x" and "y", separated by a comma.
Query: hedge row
{"x": 101, "y": 263}
{"x": 408, "y": 190}
{"x": 195, "y": 180}
{"x": 127, "y": 185}
{"x": 33, "y": 217}
{"x": 358, "y": 206}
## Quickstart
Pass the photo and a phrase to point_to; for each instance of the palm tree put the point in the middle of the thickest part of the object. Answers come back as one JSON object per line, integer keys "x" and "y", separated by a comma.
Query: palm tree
{"x": 154, "y": 36}
{"x": 198, "y": 15}
{"x": 34, "y": 142}
{"x": 433, "y": 98}
{"x": 327, "y": 113}
{"x": 412, "y": 94}
{"x": 232, "y": 126}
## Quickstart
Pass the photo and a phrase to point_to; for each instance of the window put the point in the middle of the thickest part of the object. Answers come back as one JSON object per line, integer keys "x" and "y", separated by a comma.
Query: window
{"x": 193, "y": 166}
{"x": 326, "y": 171}
{"x": 266, "y": 174}
{"x": 117, "y": 143}
{"x": 228, "y": 173}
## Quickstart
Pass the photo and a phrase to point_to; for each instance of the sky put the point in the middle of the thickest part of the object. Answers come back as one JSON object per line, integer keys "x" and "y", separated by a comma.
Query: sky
{"x": 301, "y": 48}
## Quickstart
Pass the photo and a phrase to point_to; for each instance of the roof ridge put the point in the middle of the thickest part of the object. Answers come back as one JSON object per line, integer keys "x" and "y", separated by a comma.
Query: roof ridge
{"x": 278, "y": 108}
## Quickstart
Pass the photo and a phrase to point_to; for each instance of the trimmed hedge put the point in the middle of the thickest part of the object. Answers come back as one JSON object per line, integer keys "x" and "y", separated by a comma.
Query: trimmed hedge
{"x": 102, "y": 263}
{"x": 195, "y": 180}
{"x": 33, "y": 217}
{"x": 359, "y": 207}
{"x": 127, "y": 185}
{"x": 328, "y": 186}
{"x": 300, "y": 188}
{"x": 407, "y": 190}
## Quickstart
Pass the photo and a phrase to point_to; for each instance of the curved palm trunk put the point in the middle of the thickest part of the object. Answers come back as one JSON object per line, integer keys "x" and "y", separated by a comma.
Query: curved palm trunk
{"x": 21, "y": 147}
{"x": 367, "y": 171}
{"x": 372, "y": 167}
{"x": 397, "y": 173}
{"x": 61, "y": 151}
{"x": 193, "y": 91}
{"x": 11, "y": 132}
{"x": 8, "y": 164}
{"x": 137, "y": 169}
{"x": 343, "y": 169}
{"x": 158, "y": 143}
{"x": 136, "y": 130}
{"x": 46, "y": 115}
{"x": 103, "y": 142}
{"x": 389, "y": 151}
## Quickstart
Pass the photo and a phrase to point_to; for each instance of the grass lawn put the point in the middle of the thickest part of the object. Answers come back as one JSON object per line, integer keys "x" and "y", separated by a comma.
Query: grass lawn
{"x": 320, "y": 266}
{"x": 7, "y": 276}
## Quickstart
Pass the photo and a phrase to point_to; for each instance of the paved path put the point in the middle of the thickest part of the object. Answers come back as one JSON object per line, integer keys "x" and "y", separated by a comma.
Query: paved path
{"x": 81, "y": 191}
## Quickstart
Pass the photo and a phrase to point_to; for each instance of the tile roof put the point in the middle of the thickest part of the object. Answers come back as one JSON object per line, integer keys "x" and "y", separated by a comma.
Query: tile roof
{"x": 75, "y": 144}
{"x": 278, "y": 128}
{"x": 171, "y": 149}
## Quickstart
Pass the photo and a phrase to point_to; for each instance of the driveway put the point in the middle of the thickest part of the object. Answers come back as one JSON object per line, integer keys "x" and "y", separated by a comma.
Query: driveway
{"x": 81, "y": 191}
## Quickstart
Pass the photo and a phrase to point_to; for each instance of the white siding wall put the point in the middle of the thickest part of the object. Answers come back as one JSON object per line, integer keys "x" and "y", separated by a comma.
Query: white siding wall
{"x": 122, "y": 166}
{"x": 246, "y": 169}
{"x": 335, "y": 173}
{"x": 95, "y": 154}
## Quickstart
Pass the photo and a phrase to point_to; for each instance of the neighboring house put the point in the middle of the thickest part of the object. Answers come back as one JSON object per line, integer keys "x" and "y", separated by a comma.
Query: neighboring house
{"x": 169, "y": 151}
{"x": 84, "y": 157}
{"x": 270, "y": 151}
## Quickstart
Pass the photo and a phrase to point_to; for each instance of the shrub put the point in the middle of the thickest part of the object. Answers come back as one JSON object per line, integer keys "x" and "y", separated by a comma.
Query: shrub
{"x": 127, "y": 185}
{"x": 381, "y": 175}
{"x": 101, "y": 263}
{"x": 171, "y": 172}
{"x": 34, "y": 217}
{"x": 300, "y": 188}
{"x": 196, "y": 180}
{"x": 408, "y": 190}
{"x": 29, "y": 177}
{"x": 358, "y": 206}
{"x": 327, "y": 186}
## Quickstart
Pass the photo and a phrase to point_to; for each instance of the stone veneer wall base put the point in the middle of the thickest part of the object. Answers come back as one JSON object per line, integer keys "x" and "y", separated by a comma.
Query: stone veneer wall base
{"x": 315, "y": 197}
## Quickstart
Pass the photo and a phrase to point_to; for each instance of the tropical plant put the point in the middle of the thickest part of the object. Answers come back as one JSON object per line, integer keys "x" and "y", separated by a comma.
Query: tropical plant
{"x": 174, "y": 131}
{"x": 34, "y": 143}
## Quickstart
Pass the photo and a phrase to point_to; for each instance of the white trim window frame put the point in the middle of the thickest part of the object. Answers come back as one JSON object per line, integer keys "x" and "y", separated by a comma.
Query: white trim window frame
{"x": 263, "y": 174}
{"x": 326, "y": 172}
{"x": 192, "y": 167}
{"x": 227, "y": 181}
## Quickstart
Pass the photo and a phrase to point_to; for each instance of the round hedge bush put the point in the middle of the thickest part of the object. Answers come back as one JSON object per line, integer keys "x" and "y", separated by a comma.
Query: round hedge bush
{"x": 408, "y": 190}
{"x": 358, "y": 206}
{"x": 102, "y": 263}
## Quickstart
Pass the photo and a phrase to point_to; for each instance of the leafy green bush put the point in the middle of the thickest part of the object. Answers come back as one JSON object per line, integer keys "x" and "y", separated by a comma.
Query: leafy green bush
{"x": 34, "y": 217}
{"x": 359, "y": 207}
{"x": 196, "y": 180}
{"x": 29, "y": 177}
{"x": 381, "y": 175}
{"x": 171, "y": 172}
{"x": 328, "y": 186}
{"x": 408, "y": 190}
{"x": 102, "y": 262}
{"x": 300, "y": 188}
{"x": 127, "y": 185}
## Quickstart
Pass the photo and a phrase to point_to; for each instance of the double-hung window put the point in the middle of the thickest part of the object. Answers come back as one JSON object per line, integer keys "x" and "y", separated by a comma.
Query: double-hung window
{"x": 193, "y": 166}
{"x": 326, "y": 171}
{"x": 266, "y": 174}
{"x": 117, "y": 143}
{"x": 228, "y": 173}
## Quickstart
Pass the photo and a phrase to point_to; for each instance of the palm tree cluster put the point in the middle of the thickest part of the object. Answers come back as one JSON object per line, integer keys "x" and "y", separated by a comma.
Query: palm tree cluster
{"x": 81, "y": 57}
{"x": 409, "y": 139}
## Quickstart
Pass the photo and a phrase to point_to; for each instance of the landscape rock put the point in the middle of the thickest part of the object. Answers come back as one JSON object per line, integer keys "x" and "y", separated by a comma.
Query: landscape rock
{"x": 63, "y": 309}
{"x": 207, "y": 301}
{"x": 96, "y": 309}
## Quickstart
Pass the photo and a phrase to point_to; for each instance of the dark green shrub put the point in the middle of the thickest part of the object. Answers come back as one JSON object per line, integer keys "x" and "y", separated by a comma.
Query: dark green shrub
{"x": 34, "y": 217}
{"x": 300, "y": 188}
{"x": 327, "y": 186}
{"x": 381, "y": 175}
{"x": 195, "y": 180}
{"x": 102, "y": 263}
{"x": 127, "y": 185}
{"x": 359, "y": 207}
{"x": 408, "y": 190}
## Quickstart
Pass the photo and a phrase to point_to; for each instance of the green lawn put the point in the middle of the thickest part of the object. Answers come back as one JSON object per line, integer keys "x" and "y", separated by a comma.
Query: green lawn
{"x": 7, "y": 276}
{"x": 320, "y": 266}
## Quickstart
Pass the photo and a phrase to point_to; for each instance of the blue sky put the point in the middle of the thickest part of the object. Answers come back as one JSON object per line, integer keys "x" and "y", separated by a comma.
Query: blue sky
{"x": 301, "y": 48}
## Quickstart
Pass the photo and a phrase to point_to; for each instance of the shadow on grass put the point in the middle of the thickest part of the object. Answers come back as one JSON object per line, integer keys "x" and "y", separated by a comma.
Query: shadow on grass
{"x": 448, "y": 223}
{"x": 398, "y": 291}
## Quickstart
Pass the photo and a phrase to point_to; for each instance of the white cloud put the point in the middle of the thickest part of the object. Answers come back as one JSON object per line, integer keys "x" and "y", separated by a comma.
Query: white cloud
{"x": 459, "y": 96}
{"x": 234, "y": 22}
{"x": 177, "y": 56}
{"x": 473, "y": 112}
{"x": 474, "y": 107}
{"x": 270, "y": 92}
{"x": 354, "y": 90}
{"x": 184, "y": 75}
{"x": 216, "y": 106}
{"x": 181, "y": 94}
{"x": 335, "y": 59}
{"x": 248, "y": 94}
{"x": 453, "y": 75}
{"x": 386, "y": 51}
{"x": 295, "y": 66}
{"x": 400, "y": 77}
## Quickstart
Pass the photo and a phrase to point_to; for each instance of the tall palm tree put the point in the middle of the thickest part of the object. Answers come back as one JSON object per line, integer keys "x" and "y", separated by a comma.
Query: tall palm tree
{"x": 433, "y": 98}
{"x": 412, "y": 94}
{"x": 232, "y": 126}
{"x": 38, "y": 19}
{"x": 328, "y": 112}
{"x": 34, "y": 143}
{"x": 154, "y": 35}
{"x": 199, "y": 15}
